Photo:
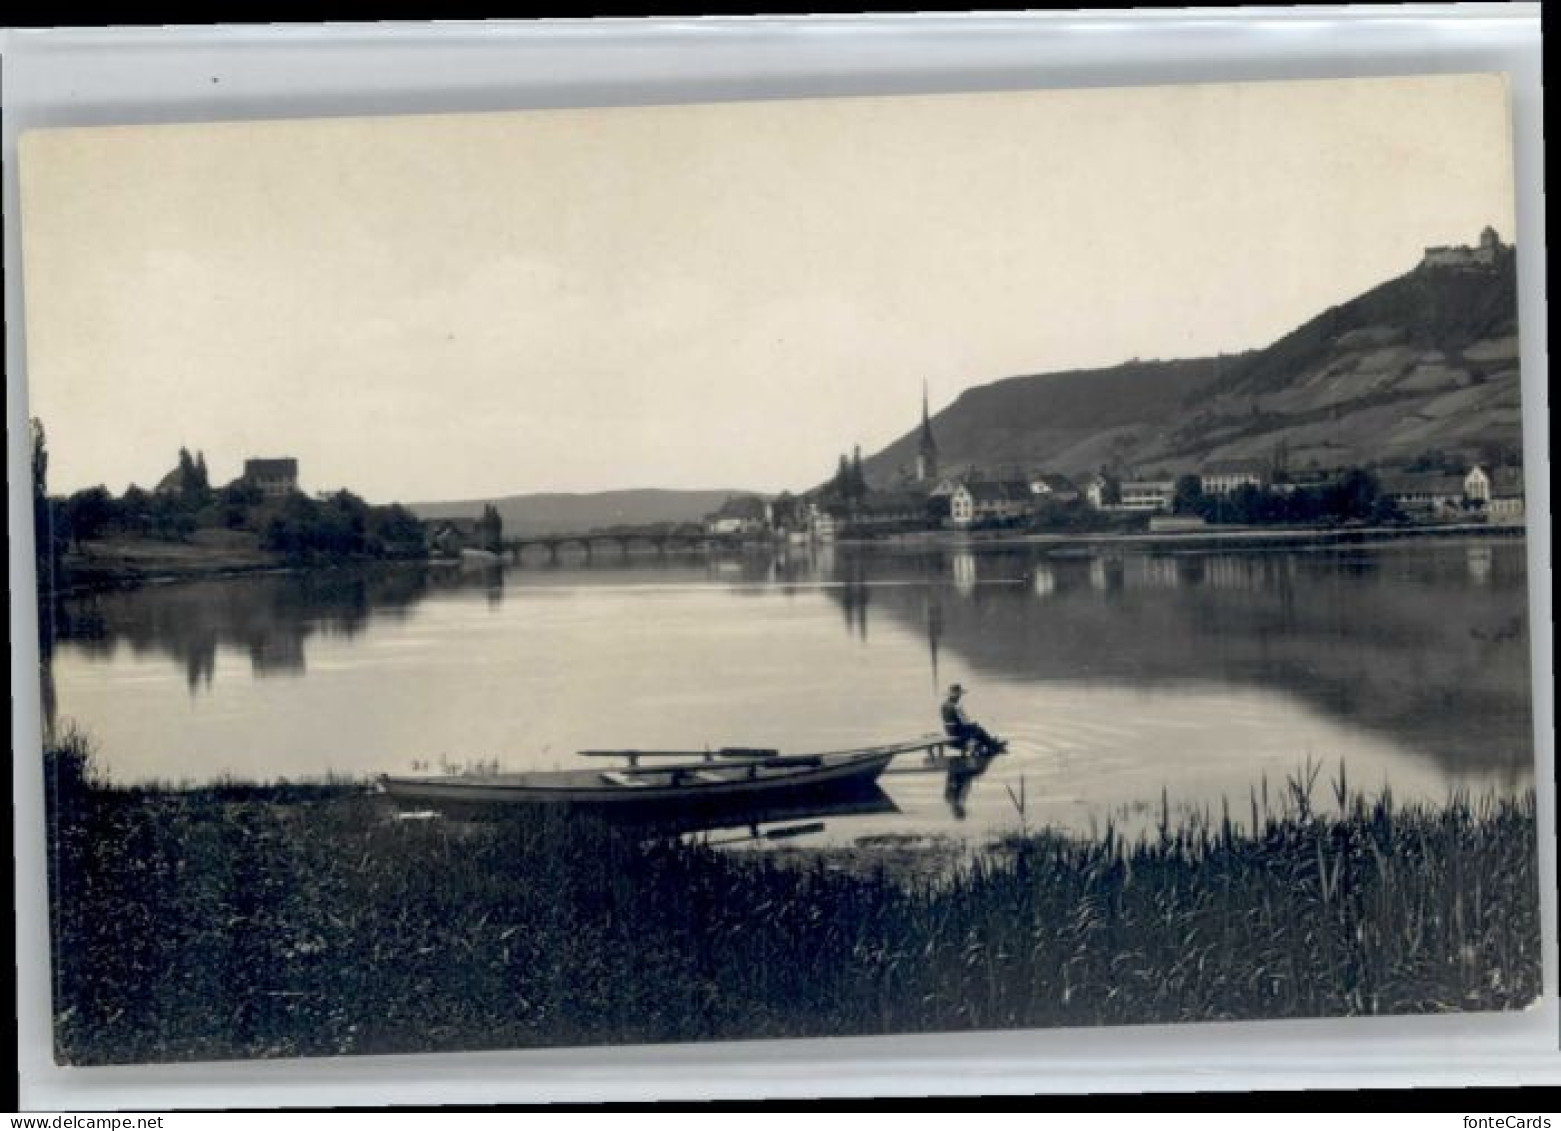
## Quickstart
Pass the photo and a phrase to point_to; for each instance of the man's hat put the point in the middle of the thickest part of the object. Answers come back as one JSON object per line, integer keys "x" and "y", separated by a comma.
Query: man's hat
{"x": 956, "y": 689}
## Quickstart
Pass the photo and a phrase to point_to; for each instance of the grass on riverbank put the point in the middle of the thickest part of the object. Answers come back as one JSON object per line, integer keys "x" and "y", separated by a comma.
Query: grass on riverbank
{"x": 240, "y": 922}
{"x": 122, "y": 560}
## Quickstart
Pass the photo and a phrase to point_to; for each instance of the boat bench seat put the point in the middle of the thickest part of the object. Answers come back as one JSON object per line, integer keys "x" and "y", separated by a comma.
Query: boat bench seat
{"x": 618, "y": 777}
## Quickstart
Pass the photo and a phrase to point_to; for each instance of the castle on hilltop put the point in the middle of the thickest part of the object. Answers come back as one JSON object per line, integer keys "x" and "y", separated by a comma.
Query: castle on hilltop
{"x": 1484, "y": 254}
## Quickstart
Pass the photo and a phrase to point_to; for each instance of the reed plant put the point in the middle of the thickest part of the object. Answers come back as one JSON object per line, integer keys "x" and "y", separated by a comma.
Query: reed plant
{"x": 220, "y": 922}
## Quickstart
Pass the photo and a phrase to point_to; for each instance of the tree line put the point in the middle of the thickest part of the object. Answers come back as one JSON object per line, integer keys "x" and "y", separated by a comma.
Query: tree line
{"x": 336, "y": 524}
{"x": 1355, "y": 496}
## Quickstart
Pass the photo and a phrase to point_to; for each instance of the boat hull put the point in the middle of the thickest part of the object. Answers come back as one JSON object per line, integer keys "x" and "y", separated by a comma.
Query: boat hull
{"x": 694, "y": 794}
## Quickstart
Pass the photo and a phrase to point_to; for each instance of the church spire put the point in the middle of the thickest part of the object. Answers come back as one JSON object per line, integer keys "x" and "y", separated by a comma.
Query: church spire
{"x": 927, "y": 450}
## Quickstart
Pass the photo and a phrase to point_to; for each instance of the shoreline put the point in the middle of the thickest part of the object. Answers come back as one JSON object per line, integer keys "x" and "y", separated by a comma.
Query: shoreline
{"x": 101, "y": 576}
{"x": 1235, "y": 538}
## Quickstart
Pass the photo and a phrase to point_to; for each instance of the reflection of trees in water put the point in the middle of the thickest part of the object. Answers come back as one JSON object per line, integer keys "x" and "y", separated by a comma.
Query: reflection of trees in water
{"x": 854, "y": 594}
{"x": 487, "y": 576}
{"x": 932, "y": 609}
{"x": 269, "y": 618}
{"x": 1427, "y": 644}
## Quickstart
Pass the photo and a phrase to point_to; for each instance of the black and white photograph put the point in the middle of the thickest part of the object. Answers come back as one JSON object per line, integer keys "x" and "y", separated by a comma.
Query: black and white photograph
{"x": 781, "y": 569}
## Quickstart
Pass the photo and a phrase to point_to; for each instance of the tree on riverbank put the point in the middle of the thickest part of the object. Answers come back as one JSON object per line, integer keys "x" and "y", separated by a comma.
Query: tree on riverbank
{"x": 50, "y": 541}
{"x": 184, "y": 503}
{"x": 343, "y": 525}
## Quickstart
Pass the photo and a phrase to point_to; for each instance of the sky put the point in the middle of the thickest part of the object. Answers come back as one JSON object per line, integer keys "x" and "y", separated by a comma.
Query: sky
{"x": 706, "y": 296}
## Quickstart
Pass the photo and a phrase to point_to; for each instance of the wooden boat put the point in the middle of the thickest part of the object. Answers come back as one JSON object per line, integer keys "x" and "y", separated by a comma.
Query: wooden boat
{"x": 722, "y": 784}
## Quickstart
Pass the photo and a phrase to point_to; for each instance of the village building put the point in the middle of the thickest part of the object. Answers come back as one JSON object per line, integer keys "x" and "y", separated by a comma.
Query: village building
{"x": 1503, "y": 495}
{"x": 1095, "y": 488}
{"x": 1225, "y": 476}
{"x": 1131, "y": 494}
{"x": 823, "y": 525}
{"x": 1000, "y": 501}
{"x": 739, "y": 515}
{"x": 1057, "y": 488}
{"x": 880, "y": 510}
{"x": 1145, "y": 495}
{"x": 1482, "y": 486}
{"x": 1311, "y": 479}
{"x": 787, "y": 515}
{"x": 1424, "y": 492}
{"x": 1506, "y": 510}
{"x": 273, "y": 478}
{"x": 170, "y": 484}
{"x": 186, "y": 474}
{"x": 451, "y": 535}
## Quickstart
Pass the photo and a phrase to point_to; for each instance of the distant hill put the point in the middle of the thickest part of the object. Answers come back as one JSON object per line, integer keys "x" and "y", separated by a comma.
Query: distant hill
{"x": 1427, "y": 361}
{"x": 566, "y": 514}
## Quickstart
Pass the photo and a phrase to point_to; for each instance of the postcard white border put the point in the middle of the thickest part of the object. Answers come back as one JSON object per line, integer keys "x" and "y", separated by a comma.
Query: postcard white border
{"x": 80, "y": 77}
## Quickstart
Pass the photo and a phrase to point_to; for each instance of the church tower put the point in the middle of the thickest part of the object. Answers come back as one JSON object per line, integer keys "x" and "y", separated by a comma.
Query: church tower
{"x": 927, "y": 451}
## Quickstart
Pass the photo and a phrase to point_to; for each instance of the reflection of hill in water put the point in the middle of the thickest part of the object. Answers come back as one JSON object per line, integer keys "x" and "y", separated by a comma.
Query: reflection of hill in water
{"x": 269, "y": 618}
{"x": 1427, "y": 644}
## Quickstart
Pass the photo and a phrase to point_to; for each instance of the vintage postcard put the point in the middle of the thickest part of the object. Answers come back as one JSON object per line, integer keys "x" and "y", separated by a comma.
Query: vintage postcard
{"x": 781, "y": 569}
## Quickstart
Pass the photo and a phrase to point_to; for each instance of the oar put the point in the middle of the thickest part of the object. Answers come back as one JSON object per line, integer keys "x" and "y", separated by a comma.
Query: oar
{"x": 634, "y": 756}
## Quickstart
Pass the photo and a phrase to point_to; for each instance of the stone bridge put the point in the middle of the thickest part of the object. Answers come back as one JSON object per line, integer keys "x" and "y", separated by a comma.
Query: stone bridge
{"x": 662, "y": 541}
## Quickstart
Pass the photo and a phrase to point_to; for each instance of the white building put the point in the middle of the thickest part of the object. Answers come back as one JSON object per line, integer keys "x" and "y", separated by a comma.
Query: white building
{"x": 1506, "y": 510}
{"x": 1146, "y": 495}
{"x": 1424, "y": 491}
{"x": 1095, "y": 490}
{"x": 1504, "y": 495}
{"x": 1223, "y": 477}
{"x": 984, "y": 502}
{"x": 744, "y": 514}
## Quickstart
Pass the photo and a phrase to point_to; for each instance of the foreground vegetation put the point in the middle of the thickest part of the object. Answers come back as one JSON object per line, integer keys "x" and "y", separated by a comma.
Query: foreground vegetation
{"x": 242, "y": 921}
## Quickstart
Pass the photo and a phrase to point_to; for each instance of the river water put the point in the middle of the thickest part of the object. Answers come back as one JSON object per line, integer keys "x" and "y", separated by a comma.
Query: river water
{"x": 1121, "y": 680}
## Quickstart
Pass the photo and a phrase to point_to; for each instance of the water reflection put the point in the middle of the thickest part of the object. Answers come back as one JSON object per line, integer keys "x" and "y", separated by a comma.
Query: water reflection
{"x": 1396, "y": 638}
{"x": 870, "y": 801}
{"x": 1479, "y": 559}
{"x": 961, "y": 774}
{"x": 963, "y": 568}
{"x": 855, "y": 595}
{"x": 269, "y": 619}
{"x": 1106, "y": 574}
{"x": 1424, "y": 644}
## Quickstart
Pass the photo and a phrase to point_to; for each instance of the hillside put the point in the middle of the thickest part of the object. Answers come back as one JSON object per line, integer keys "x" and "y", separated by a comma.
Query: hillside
{"x": 1073, "y": 421}
{"x": 1425, "y": 361}
{"x": 566, "y": 513}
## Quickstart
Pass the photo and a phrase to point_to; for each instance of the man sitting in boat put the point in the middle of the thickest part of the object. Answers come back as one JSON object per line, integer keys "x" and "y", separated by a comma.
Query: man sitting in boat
{"x": 957, "y": 725}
